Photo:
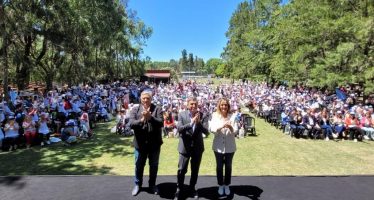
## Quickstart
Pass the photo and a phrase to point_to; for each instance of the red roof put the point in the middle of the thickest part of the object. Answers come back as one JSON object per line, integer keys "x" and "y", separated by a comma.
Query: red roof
{"x": 157, "y": 73}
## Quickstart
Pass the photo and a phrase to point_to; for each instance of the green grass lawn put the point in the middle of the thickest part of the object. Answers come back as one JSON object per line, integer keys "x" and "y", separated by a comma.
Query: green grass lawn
{"x": 269, "y": 153}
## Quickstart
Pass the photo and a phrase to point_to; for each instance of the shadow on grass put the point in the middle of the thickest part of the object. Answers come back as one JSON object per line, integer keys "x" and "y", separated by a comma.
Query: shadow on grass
{"x": 57, "y": 159}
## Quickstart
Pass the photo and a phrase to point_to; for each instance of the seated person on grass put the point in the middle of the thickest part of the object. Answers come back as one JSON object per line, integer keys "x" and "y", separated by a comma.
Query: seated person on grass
{"x": 123, "y": 126}
{"x": 11, "y": 133}
{"x": 69, "y": 133}
{"x": 85, "y": 125}
{"x": 169, "y": 124}
{"x": 43, "y": 130}
{"x": 29, "y": 130}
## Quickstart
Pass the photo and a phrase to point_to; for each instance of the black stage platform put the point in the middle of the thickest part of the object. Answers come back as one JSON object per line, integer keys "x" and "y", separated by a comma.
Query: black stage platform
{"x": 243, "y": 187}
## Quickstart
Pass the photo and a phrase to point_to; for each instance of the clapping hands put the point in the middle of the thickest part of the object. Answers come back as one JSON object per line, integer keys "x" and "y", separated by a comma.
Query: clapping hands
{"x": 196, "y": 118}
{"x": 146, "y": 115}
{"x": 229, "y": 126}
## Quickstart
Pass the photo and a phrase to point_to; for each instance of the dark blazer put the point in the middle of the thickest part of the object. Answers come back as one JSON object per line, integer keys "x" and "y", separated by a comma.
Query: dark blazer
{"x": 189, "y": 140}
{"x": 148, "y": 135}
{"x": 306, "y": 120}
{"x": 321, "y": 122}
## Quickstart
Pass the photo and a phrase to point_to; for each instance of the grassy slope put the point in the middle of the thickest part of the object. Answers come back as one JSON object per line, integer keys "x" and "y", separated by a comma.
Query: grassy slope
{"x": 270, "y": 153}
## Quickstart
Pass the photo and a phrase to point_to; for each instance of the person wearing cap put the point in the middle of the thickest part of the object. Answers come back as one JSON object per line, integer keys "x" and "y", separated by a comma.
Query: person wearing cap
{"x": 69, "y": 132}
{"x": 146, "y": 121}
{"x": 11, "y": 133}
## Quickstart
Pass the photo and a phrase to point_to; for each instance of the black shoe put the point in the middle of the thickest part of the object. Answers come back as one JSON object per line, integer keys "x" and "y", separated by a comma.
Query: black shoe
{"x": 135, "y": 190}
{"x": 154, "y": 190}
{"x": 194, "y": 193}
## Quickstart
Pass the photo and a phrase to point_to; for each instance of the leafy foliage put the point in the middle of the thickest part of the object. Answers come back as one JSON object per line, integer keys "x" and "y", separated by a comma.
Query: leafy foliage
{"x": 70, "y": 41}
{"x": 319, "y": 43}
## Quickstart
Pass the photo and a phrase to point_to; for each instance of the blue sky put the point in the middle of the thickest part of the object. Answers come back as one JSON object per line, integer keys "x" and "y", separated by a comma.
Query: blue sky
{"x": 199, "y": 26}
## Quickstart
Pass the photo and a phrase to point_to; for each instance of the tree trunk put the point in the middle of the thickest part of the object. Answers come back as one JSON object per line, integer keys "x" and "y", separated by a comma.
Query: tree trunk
{"x": 23, "y": 71}
{"x": 49, "y": 82}
{"x": 4, "y": 51}
{"x": 96, "y": 63}
{"x": 73, "y": 64}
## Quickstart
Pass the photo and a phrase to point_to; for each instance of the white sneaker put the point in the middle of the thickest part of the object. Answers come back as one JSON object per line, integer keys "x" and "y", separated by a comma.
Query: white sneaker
{"x": 48, "y": 142}
{"x": 366, "y": 137}
{"x": 42, "y": 144}
{"x": 335, "y": 136}
{"x": 355, "y": 140}
{"x": 220, "y": 190}
{"x": 227, "y": 190}
{"x": 327, "y": 138}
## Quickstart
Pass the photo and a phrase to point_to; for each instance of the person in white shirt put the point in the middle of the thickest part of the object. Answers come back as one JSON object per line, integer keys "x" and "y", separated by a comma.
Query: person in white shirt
{"x": 224, "y": 146}
{"x": 11, "y": 133}
{"x": 43, "y": 130}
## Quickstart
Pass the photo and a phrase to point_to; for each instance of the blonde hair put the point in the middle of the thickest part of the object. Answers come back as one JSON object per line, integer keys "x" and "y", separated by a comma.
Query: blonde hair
{"x": 28, "y": 117}
{"x": 219, "y": 104}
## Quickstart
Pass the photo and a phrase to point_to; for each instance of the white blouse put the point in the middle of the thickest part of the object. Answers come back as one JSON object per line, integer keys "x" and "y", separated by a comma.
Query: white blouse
{"x": 224, "y": 139}
{"x": 43, "y": 128}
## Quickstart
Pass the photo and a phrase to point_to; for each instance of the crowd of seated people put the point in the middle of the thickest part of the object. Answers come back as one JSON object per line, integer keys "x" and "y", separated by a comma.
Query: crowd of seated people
{"x": 32, "y": 120}
{"x": 316, "y": 115}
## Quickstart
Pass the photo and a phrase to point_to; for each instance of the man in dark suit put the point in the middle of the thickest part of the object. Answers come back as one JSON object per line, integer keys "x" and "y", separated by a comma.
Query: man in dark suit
{"x": 146, "y": 121}
{"x": 192, "y": 124}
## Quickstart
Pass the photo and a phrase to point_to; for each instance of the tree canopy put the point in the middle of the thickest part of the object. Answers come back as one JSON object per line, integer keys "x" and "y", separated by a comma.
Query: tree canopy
{"x": 69, "y": 41}
{"x": 320, "y": 43}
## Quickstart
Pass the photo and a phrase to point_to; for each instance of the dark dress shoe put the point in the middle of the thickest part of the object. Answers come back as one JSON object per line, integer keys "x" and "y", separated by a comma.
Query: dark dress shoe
{"x": 135, "y": 190}
{"x": 194, "y": 193}
{"x": 154, "y": 190}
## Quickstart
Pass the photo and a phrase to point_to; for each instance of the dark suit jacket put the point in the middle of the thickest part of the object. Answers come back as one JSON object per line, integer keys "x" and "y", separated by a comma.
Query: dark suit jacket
{"x": 148, "y": 135}
{"x": 306, "y": 120}
{"x": 189, "y": 140}
{"x": 321, "y": 122}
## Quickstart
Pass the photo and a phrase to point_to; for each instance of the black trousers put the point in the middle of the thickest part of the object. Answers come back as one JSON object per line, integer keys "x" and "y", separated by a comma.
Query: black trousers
{"x": 140, "y": 160}
{"x": 224, "y": 160}
{"x": 184, "y": 159}
{"x": 10, "y": 141}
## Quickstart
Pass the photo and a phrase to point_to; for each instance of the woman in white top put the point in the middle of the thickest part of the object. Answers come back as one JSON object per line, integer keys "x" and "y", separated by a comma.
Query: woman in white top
{"x": 224, "y": 147}
{"x": 43, "y": 131}
{"x": 11, "y": 133}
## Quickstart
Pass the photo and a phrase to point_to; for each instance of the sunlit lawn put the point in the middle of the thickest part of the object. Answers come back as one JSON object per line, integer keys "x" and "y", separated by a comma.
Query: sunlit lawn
{"x": 269, "y": 153}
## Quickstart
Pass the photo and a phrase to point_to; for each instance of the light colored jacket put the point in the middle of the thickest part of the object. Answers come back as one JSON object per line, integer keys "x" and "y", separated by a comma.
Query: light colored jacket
{"x": 224, "y": 139}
